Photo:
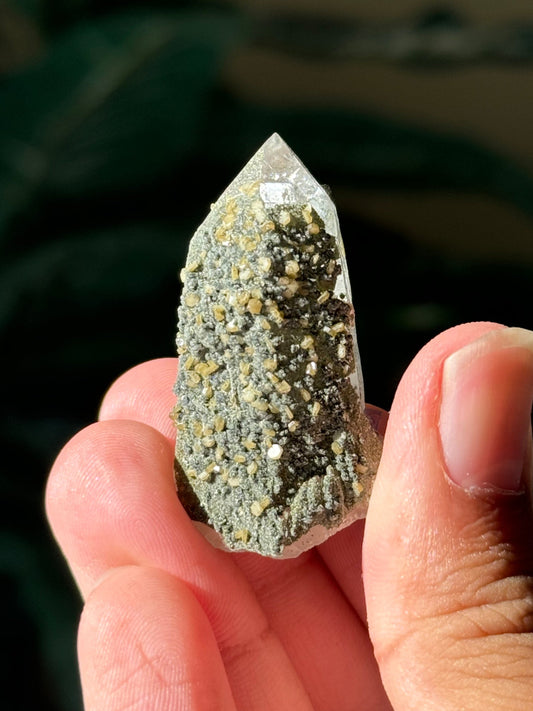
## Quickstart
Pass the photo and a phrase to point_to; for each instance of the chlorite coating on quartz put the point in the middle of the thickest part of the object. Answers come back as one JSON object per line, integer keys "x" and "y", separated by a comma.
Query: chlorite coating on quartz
{"x": 274, "y": 451}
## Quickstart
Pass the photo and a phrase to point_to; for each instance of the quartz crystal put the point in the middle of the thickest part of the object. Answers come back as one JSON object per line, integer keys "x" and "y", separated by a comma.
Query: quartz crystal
{"x": 274, "y": 451}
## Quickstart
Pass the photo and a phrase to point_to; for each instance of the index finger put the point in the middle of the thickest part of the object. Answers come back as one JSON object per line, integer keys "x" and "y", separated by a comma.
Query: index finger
{"x": 144, "y": 394}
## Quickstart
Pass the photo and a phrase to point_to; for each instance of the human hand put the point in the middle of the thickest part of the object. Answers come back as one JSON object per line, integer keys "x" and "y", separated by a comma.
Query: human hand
{"x": 172, "y": 623}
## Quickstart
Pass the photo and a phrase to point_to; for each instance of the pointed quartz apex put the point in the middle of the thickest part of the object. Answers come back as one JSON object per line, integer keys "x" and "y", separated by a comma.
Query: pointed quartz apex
{"x": 273, "y": 452}
{"x": 284, "y": 180}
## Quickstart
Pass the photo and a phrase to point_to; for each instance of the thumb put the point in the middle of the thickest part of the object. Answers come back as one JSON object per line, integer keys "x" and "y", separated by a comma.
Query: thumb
{"x": 448, "y": 549}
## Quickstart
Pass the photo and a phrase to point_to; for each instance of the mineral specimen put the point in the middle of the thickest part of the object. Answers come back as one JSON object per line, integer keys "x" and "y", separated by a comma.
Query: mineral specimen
{"x": 274, "y": 452}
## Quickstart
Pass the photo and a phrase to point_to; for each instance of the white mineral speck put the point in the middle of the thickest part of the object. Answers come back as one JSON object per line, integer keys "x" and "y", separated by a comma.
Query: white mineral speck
{"x": 275, "y": 452}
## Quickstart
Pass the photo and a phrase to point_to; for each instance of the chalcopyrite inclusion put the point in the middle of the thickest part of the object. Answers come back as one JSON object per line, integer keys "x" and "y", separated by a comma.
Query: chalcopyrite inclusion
{"x": 273, "y": 452}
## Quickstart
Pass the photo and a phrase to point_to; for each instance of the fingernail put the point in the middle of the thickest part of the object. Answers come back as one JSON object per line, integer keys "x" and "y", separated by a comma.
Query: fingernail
{"x": 485, "y": 417}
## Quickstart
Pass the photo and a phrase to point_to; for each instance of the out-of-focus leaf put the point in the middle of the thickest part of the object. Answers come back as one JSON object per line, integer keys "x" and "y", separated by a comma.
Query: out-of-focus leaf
{"x": 20, "y": 38}
{"x": 112, "y": 103}
{"x": 32, "y": 570}
{"x": 57, "y": 15}
{"x": 435, "y": 37}
{"x": 372, "y": 151}
{"x": 73, "y": 315}
{"x": 89, "y": 272}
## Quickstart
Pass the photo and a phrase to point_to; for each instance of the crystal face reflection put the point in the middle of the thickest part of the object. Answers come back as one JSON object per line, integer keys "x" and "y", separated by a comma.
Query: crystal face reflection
{"x": 273, "y": 449}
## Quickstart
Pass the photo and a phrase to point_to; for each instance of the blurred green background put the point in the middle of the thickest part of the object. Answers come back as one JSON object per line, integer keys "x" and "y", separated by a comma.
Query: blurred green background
{"x": 120, "y": 121}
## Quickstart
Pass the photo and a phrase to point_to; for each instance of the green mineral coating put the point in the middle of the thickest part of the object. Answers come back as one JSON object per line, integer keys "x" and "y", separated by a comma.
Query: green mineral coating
{"x": 270, "y": 440}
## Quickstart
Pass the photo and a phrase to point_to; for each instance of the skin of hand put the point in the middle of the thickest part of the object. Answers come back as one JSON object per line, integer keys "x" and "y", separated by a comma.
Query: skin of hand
{"x": 426, "y": 606}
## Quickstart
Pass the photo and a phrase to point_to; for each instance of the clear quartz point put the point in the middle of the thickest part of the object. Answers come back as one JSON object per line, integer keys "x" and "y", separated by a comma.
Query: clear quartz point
{"x": 274, "y": 452}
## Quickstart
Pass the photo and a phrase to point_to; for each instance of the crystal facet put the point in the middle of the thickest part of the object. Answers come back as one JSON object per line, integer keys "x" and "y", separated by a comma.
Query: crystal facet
{"x": 274, "y": 452}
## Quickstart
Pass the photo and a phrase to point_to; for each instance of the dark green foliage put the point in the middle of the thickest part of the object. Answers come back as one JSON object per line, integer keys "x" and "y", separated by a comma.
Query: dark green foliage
{"x": 112, "y": 146}
{"x": 112, "y": 105}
